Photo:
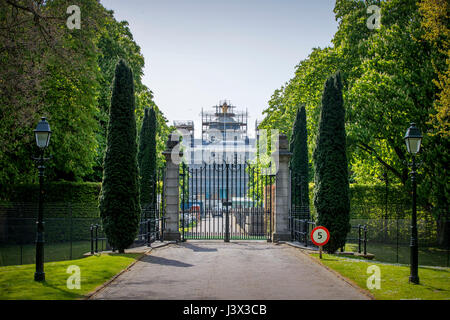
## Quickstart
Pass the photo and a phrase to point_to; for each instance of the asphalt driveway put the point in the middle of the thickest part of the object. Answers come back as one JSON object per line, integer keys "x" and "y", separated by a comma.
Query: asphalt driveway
{"x": 237, "y": 270}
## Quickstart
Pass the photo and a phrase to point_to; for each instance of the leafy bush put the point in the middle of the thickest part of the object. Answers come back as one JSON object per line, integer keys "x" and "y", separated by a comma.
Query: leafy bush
{"x": 76, "y": 192}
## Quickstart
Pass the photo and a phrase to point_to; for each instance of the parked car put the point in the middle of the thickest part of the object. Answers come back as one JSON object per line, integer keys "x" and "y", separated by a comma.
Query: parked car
{"x": 195, "y": 210}
{"x": 217, "y": 211}
{"x": 188, "y": 218}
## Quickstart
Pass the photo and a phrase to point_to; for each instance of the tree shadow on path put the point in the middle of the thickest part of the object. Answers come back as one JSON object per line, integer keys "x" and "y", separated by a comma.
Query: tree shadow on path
{"x": 166, "y": 262}
{"x": 198, "y": 248}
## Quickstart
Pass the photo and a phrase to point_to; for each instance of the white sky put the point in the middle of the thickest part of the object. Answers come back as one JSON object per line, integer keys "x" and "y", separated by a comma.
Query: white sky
{"x": 198, "y": 52}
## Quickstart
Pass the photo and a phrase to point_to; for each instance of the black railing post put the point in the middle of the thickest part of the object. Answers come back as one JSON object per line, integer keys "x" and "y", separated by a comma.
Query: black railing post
{"x": 365, "y": 240}
{"x": 227, "y": 214}
{"x": 305, "y": 230}
{"x": 359, "y": 238}
{"x": 92, "y": 239}
{"x": 71, "y": 230}
{"x": 96, "y": 238}
{"x": 163, "y": 221}
{"x": 148, "y": 222}
{"x": 397, "y": 236}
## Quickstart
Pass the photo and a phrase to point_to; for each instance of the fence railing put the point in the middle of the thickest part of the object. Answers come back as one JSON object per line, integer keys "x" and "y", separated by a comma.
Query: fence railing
{"x": 301, "y": 229}
{"x": 387, "y": 239}
{"x": 362, "y": 237}
{"x": 71, "y": 231}
{"x": 301, "y": 232}
{"x": 150, "y": 230}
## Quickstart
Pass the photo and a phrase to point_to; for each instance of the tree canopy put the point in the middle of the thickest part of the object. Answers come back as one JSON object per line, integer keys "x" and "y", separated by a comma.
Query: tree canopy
{"x": 49, "y": 70}
{"x": 391, "y": 76}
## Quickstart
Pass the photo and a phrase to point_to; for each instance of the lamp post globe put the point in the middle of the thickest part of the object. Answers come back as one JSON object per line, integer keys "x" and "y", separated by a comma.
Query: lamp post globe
{"x": 42, "y": 134}
{"x": 413, "y": 139}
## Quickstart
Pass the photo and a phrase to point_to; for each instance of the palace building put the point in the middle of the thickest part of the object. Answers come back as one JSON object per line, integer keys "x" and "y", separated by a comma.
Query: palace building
{"x": 224, "y": 142}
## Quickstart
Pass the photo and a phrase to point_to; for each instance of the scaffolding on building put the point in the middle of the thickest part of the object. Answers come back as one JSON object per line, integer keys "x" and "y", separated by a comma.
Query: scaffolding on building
{"x": 185, "y": 126}
{"x": 224, "y": 118}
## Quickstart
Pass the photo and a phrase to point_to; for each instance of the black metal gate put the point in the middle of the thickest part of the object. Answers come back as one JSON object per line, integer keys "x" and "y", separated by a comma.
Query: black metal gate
{"x": 299, "y": 222}
{"x": 225, "y": 201}
{"x": 152, "y": 221}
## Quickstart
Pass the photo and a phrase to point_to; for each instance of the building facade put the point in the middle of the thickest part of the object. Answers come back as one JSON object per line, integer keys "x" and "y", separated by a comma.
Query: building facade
{"x": 217, "y": 162}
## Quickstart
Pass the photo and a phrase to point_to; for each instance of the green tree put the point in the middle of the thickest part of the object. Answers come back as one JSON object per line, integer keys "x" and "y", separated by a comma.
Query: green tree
{"x": 331, "y": 189}
{"x": 391, "y": 76}
{"x": 305, "y": 88}
{"x": 147, "y": 163}
{"x": 435, "y": 20}
{"x": 299, "y": 162}
{"x": 47, "y": 69}
{"x": 119, "y": 200}
{"x": 116, "y": 42}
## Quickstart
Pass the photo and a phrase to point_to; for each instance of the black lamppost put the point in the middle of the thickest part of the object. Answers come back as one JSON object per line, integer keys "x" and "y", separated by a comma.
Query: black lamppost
{"x": 413, "y": 139}
{"x": 42, "y": 134}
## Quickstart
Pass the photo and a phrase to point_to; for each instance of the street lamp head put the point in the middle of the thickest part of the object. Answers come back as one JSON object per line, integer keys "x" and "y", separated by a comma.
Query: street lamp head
{"x": 42, "y": 133}
{"x": 413, "y": 138}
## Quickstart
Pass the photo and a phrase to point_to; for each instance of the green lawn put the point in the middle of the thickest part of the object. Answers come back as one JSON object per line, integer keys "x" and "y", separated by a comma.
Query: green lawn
{"x": 434, "y": 282}
{"x": 17, "y": 282}
{"x": 428, "y": 256}
{"x": 25, "y": 254}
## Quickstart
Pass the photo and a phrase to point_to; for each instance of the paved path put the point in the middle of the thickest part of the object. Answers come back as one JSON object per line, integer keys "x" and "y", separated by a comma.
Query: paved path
{"x": 236, "y": 270}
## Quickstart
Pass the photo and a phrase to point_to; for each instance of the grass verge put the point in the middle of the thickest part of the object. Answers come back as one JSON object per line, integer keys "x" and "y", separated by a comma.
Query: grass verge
{"x": 394, "y": 285}
{"x": 17, "y": 282}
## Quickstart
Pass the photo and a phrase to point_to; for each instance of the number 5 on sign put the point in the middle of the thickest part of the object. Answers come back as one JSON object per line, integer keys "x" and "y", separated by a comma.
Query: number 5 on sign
{"x": 320, "y": 236}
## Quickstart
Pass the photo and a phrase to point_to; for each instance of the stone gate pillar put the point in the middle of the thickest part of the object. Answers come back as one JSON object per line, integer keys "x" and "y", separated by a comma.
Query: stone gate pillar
{"x": 171, "y": 190}
{"x": 281, "y": 230}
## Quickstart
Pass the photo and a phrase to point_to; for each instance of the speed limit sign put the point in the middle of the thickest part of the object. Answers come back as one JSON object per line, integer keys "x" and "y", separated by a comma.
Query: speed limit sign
{"x": 320, "y": 236}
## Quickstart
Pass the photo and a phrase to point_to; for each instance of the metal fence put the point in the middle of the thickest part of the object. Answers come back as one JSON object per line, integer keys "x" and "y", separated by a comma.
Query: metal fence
{"x": 387, "y": 239}
{"x": 71, "y": 231}
{"x": 149, "y": 231}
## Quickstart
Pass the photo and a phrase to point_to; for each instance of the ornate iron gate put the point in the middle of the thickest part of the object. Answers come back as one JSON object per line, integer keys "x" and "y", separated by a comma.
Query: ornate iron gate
{"x": 152, "y": 221}
{"x": 299, "y": 222}
{"x": 225, "y": 201}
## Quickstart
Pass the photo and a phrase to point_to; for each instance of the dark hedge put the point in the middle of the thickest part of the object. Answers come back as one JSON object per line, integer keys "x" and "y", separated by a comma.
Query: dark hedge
{"x": 76, "y": 192}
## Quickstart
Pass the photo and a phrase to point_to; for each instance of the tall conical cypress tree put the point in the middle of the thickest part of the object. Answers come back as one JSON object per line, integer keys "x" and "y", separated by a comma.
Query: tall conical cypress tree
{"x": 299, "y": 164}
{"x": 331, "y": 190}
{"x": 119, "y": 199}
{"x": 147, "y": 163}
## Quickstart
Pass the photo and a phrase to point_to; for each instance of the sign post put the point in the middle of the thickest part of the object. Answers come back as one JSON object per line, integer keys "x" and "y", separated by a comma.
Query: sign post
{"x": 320, "y": 237}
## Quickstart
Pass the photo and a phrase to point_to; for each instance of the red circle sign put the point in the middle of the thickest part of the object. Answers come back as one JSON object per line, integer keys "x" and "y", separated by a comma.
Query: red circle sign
{"x": 320, "y": 236}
